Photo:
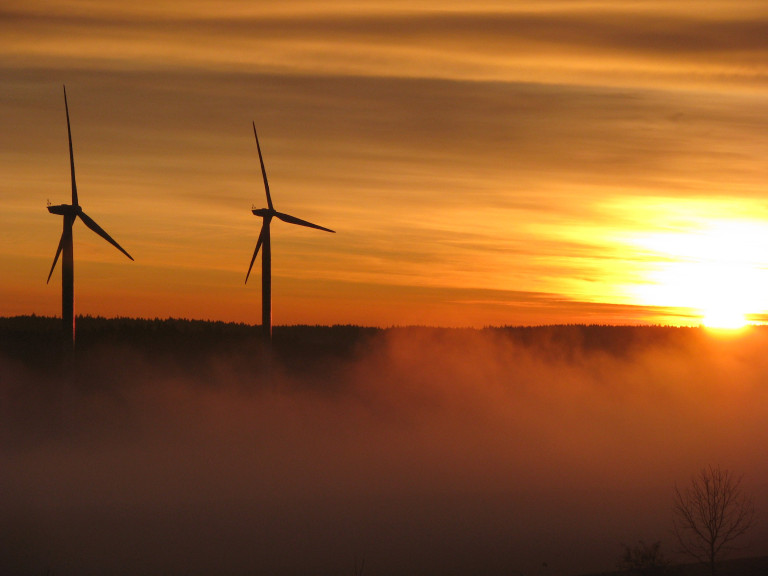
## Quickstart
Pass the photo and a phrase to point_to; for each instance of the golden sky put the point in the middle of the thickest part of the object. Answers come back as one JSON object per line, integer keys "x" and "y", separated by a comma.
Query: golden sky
{"x": 482, "y": 163}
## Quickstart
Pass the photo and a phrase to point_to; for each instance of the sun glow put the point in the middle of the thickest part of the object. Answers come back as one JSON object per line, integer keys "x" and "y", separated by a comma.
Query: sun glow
{"x": 724, "y": 319}
{"x": 720, "y": 271}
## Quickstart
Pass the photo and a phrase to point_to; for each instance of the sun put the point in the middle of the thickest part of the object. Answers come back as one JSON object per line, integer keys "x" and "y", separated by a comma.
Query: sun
{"x": 717, "y": 271}
{"x": 724, "y": 318}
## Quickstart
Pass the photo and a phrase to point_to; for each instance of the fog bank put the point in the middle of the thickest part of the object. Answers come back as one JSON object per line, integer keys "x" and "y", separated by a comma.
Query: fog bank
{"x": 423, "y": 452}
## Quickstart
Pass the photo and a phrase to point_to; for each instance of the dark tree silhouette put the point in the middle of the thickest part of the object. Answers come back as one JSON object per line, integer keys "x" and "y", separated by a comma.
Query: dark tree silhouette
{"x": 710, "y": 514}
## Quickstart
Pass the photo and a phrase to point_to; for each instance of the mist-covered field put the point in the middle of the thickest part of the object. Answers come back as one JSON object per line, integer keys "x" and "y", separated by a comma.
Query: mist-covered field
{"x": 173, "y": 447}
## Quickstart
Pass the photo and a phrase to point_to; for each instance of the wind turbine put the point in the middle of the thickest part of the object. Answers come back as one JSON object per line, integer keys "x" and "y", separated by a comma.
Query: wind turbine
{"x": 264, "y": 240}
{"x": 70, "y": 213}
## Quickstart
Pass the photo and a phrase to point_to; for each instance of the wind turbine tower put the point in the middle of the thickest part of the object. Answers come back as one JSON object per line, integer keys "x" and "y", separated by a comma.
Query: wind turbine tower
{"x": 264, "y": 240}
{"x": 70, "y": 213}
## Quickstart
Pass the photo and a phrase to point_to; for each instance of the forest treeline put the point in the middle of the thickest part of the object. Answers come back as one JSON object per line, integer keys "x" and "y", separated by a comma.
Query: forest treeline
{"x": 38, "y": 339}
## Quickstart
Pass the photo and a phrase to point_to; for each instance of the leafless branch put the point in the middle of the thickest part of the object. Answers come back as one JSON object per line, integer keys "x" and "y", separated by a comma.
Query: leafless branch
{"x": 711, "y": 513}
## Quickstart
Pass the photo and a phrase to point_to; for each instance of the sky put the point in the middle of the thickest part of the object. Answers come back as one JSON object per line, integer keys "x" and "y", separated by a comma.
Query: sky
{"x": 484, "y": 163}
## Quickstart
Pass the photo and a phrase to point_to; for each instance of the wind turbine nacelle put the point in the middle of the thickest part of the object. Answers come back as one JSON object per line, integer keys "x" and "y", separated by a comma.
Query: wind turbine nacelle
{"x": 64, "y": 210}
{"x": 263, "y": 212}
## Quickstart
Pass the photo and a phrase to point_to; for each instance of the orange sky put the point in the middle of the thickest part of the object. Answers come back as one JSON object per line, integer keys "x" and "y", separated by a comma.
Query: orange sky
{"x": 485, "y": 163}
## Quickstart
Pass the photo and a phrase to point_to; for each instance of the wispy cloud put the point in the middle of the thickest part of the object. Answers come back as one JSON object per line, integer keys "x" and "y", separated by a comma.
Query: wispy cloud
{"x": 551, "y": 43}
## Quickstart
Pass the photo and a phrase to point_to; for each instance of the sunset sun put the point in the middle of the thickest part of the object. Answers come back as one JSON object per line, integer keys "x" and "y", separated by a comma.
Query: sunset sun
{"x": 724, "y": 318}
{"x": 718, "y": 272}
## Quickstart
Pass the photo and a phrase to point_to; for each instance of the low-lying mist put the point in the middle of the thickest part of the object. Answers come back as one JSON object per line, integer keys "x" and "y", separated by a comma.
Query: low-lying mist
{"x": 421, "y": 451}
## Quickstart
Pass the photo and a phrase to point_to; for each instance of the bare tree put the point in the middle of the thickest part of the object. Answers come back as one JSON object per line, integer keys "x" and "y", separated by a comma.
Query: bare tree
{"x": 710, "y": 514}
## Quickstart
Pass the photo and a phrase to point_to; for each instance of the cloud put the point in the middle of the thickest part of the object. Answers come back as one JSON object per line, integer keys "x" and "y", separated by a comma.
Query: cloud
{"x": 422, "y": 451}
{"x": 552, "y": 43}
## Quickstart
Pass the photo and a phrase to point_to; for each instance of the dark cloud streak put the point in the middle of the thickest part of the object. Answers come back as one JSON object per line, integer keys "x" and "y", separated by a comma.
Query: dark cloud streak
{"x": 734, "y": 43}
{"x": 640, "y": 32}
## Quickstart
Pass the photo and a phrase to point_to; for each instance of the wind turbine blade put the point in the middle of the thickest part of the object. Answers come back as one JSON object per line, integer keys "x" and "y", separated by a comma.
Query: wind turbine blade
{"x": 255, "y": 252}
{"x": 56, "y": 258}
{"x": 263, "y": 170}
{"x": 293, "y": 220}
{"x": 71, "y": 154}
{"x": 88, "y": 221}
